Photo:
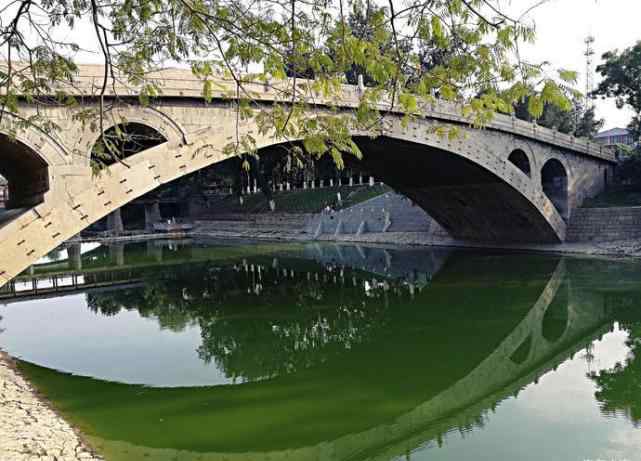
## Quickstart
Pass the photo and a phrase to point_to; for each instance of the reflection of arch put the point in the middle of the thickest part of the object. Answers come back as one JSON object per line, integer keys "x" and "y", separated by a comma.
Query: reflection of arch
{"x": 521, "y": 161}
{"x": 554, "y": 180}
{"x": 126, "y": 139}
{"x": 26, "y": 172}
{"x": 555, "y": 319}
{"x": 522, "y": 353}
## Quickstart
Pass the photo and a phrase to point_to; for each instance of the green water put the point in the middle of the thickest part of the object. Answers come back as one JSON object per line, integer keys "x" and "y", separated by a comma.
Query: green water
{"x": 323, "y": 352}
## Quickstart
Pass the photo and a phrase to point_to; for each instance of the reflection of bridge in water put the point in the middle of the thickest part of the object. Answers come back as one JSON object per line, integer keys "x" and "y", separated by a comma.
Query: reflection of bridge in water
{"x": 563, "y": 319}
{"x": 78, "y": 272}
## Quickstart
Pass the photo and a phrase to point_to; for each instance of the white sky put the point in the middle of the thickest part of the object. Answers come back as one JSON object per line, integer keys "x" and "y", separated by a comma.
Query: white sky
{"x": 563, "y": 25}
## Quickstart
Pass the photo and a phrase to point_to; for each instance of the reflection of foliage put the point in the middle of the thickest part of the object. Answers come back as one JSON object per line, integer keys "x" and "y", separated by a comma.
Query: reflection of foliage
{"x": 258, "y": 321}
{"x": 619, "y": 389}
{"x": 258, "y": 347}
{"x": 150, "y": 302}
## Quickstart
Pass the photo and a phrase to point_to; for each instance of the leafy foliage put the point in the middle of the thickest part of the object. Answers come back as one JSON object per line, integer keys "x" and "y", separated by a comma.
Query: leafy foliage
{"x": 408, "y": 54}
{"x": 577, "y": 121}
{"x": 619, "y": 388}
{"x": 621, "y": 73}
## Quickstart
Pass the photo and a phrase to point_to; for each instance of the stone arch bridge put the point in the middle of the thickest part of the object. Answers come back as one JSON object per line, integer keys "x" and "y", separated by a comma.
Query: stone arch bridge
{"x": 509, "y": 182}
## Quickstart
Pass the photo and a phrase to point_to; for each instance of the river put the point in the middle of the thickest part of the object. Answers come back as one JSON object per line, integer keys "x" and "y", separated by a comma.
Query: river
{"x": 252, "y": 351}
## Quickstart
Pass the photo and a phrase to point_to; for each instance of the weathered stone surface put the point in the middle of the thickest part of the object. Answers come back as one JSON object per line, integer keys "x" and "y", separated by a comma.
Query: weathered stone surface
{"x": 29, "y": 428}
{"x": 371, "y": 215}
{"x": 468, "y": 184}
{"x": 605, "y": 224}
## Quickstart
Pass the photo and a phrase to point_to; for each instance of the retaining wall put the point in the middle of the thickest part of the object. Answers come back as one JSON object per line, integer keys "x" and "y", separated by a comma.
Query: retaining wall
{"x": 604, "y": 224}
{"x": 389, "y": 212}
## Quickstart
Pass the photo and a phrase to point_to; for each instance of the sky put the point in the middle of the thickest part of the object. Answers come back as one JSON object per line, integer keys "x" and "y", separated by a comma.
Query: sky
{"x": 563, "y": 25}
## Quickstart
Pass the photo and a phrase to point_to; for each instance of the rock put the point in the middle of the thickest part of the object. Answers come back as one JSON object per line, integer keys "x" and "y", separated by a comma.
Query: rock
{"x": 29, "y": 428}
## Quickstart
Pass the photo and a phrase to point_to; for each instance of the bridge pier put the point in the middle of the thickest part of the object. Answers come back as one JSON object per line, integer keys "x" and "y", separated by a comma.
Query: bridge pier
{"x": 117, "y": 253}
{"x": 152, "y": 215}
{"x": 75, "y": 257}
{"x": 114, "y": 223}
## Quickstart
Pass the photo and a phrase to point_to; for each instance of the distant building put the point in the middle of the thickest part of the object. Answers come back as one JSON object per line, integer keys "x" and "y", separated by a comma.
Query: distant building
{"x": 615, "y": 136}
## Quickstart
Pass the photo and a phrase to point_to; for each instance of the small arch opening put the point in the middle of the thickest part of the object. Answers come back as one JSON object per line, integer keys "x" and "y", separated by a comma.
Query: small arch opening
{"x": 25, "y": 175}
{"x": 554, "y": 180}
{"x": 124, "y": 140}
{"x": 520, "y": 160}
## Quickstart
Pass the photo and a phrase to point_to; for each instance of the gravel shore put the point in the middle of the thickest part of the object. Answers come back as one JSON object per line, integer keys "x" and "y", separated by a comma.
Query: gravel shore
{"x": 29, "y": 428}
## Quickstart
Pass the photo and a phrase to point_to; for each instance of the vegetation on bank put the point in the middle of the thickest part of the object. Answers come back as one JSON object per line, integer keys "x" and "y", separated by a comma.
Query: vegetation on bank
{"x": 300, "y": 200}
{"x": 400, "y": 54}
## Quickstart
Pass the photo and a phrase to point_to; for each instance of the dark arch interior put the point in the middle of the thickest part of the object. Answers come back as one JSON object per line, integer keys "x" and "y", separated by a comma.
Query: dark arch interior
{"x": 25, "y": 171}
{"x": 467, "y": 200}
{"x": 521, "y": 161}
{"x": 556, "y": 316}
{"x": 122, "y": 141}
{"x": 554, "y": 180}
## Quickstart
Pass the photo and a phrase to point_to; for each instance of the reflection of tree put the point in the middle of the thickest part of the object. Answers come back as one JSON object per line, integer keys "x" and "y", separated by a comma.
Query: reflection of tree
{"x": 299, "y": 336}
{"x": 619, "y": 389}
{"x": 150, "y": 302}
{"x": 257, "y": 321}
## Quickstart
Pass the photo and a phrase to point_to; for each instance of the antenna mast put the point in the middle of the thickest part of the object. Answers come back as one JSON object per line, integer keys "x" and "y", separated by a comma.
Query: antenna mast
{"x": 589, "y": 77}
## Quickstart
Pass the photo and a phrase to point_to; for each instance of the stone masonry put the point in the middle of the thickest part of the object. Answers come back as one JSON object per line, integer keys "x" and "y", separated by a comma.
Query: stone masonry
{"x": 605, "y": 224}
{"x": 389, "y": 212}
{"x": 50, "y": 177}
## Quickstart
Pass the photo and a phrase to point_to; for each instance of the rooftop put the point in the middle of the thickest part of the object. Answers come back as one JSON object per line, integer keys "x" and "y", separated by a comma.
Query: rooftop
{"x": 613, "y": 132}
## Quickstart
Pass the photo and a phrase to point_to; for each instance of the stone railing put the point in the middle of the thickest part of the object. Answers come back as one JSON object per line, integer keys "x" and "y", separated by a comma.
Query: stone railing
{"x": 181, "y": 83}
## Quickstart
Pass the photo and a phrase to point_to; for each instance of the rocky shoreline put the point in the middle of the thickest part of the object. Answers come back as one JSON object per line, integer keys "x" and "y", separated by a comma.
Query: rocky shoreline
{"x": 29, "y": 428}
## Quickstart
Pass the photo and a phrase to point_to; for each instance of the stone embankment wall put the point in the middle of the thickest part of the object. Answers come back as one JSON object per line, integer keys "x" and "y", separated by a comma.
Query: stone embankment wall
{"x": 389, "y": 212}
{"x": 604, "y": 224}
{"x": 261, "y": 225}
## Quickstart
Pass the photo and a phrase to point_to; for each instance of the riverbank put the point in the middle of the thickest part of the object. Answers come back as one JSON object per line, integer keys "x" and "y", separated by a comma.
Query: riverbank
{"x": 221, "y": 230}
{"x": 621, "y": 248}
{"x": 29, "y": 428}
{"x": 250, "y": 231}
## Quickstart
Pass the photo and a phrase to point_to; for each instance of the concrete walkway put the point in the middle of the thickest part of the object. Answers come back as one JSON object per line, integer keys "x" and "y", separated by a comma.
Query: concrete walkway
{"x": 29, "y": 428}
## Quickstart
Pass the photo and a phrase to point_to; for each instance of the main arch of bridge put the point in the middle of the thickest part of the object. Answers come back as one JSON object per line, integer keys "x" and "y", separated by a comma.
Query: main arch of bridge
{"x": 470, "y": 184}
